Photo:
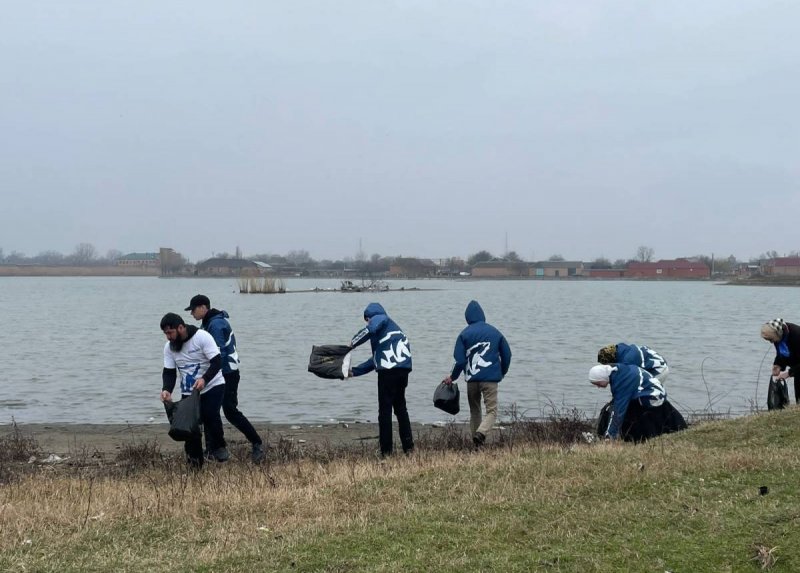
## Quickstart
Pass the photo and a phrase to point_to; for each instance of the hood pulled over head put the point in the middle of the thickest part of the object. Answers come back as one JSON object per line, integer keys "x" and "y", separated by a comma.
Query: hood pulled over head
{"x": 373, "y": 309}
{"x": 474, "y": 313}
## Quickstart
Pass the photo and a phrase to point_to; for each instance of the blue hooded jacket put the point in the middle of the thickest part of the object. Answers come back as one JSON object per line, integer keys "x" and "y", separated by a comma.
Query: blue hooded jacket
{"x": 628, "y": 383}
{"x": 481, "y": 351}
{"x": 641, "y": 356}
{"x": 390, "y": 347}
{"x": 215, "y": 322}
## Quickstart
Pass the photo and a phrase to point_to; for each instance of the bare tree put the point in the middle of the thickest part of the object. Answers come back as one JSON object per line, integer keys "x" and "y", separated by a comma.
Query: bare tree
{"x": 83, "y": 254}
{"x": 644, "y": 254}
{"x": 601, "y": 263}
{"x": 301, "y": 257}
{"x": 112, "y": 255}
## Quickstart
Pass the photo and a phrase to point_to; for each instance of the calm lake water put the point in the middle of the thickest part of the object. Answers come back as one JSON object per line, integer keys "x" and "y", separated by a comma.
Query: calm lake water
{"x": 89, "y": 350}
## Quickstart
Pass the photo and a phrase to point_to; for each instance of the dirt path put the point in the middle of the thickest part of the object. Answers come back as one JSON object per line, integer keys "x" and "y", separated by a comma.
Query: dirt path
{"x": 66, "y": 439}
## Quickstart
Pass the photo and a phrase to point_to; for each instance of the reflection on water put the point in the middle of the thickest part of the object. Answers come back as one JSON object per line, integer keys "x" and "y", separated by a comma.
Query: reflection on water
{"x": 90, "y": 349}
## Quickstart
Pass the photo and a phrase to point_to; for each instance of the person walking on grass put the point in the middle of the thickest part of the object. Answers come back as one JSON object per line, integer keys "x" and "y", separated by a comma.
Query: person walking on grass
{"x": 193, "y": 354}
{"x": 216, "y": 323}
{"x": 483, "y": 354}
{"x": 391, "y": 357}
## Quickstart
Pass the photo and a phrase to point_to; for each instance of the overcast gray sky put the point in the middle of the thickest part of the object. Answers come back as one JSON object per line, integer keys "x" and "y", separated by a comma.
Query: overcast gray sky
{"x": 421, "y": 128}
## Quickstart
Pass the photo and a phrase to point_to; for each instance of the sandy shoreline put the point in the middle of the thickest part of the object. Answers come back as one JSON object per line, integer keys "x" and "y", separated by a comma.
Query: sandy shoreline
{"x": 66, "y": 439}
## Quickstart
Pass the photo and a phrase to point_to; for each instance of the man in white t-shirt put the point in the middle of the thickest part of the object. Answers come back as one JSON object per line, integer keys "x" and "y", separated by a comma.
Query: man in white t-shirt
{"x": 194, "y": 355}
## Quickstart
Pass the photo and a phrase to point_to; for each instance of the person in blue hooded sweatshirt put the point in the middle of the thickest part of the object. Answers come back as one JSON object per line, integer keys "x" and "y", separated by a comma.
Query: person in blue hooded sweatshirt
{"x": 483, "y": 354}
{"x": 636, "y": 355}
{"x": 641, "y": 409}
{"x": 216, "y": 323}
{"x": 391, "y": 357}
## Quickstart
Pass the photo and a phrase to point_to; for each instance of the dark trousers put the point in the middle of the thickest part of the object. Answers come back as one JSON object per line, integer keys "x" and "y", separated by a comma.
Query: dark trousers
{"x": 210, "y": 403}
{"x": 392, "y": 396}
{"x": 230, "y": 407}
{"x": 796, "y": 390}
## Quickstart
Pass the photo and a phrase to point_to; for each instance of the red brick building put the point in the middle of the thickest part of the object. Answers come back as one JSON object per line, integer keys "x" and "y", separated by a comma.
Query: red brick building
{"x": 672, "y": 269}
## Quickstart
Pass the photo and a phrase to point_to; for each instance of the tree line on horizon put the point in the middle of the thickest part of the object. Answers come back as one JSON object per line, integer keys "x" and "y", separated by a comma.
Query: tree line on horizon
{"x": 85, "y": 254}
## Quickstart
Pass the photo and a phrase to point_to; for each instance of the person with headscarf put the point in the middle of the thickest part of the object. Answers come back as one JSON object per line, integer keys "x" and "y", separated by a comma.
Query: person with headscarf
{"x": 391, "y": 357}
{"x": 640, "y": 407}
{"x": 482, "y": 353}
{"x": 635, "y": 355}
{"x": 786, "y": 338}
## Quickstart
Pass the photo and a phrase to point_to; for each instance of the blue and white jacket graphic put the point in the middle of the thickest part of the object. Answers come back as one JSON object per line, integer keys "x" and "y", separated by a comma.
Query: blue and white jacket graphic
{"x": 481, "y": 351}
{"x": 216, "y": 324}
{"x": 628, "y": 383}
{"x": 643, "y": 357}
{"x": 390, "y": 347}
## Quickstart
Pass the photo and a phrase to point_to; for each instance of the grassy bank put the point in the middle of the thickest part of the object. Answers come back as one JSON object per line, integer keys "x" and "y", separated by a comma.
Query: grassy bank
{"x": 686, "y": 502}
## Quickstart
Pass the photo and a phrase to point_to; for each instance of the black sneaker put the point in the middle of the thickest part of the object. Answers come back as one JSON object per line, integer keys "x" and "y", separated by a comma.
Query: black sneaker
{"x": 220, "y": 455}
{"x": 258, "y": 453}
{"x": 478, "y": 439}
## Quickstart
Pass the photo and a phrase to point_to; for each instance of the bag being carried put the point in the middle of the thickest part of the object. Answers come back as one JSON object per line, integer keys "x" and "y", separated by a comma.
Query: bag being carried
{"x": 330, "y": 361}
{"x": 184, "y": 418}
{"x": 777, "y": 394}
{"x": 446, "y": 397}
{"x": 604, "y": 419}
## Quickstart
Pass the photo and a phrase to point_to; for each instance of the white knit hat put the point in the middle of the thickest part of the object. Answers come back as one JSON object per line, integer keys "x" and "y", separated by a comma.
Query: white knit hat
{"x": 601, "y": 372}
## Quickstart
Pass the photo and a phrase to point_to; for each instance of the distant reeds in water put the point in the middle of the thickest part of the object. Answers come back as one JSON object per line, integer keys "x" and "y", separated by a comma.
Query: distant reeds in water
{"x": 261, "y": 285}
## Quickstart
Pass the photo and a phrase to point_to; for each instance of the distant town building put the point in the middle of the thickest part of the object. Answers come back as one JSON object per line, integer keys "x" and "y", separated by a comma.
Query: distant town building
{"x": 139, "y": 260}
{"x": 500, "y": 269}
{"x": 223, "y": 267}
{"x": 410, "y": 267}
{"x": 783, "y": 267}
{"x": 677, "y": 268}
{"x": 555, "y": 269}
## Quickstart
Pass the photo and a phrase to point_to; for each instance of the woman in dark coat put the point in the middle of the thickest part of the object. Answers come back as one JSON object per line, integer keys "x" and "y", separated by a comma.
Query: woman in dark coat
{"x": 786, "y": 338}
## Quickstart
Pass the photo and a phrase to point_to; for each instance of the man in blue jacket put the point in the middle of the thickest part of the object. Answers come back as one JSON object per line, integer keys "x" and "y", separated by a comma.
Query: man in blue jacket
{"x": 215, "y": 322}
{"x": 635, "y": 355}
{"x": 483, "y": 354}
{"x": 391, "y": 357}
{"x": 641, "y": 409}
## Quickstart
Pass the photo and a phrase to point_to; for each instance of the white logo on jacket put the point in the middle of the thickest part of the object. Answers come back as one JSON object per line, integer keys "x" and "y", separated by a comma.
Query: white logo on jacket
{"x": 397, "y": 353}
{"x": 476, "y": 361}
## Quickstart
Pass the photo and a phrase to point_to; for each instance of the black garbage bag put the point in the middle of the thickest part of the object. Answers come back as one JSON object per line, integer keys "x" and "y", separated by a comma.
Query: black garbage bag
{"x": 446, "y": 398}
{"x": 330, "y": 361}
{"x": 184, "y": 418}
{"x": 777, "y": 394}
{"x": 641, "y": 424}
{"x": 604, "y": 419}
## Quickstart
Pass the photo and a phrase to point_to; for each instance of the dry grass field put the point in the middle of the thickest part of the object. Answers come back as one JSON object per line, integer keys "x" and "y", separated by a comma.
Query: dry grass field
{"x": 540, "y": 499}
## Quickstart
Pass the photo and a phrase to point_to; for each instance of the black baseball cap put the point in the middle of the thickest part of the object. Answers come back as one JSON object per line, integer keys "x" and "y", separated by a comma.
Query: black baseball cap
{"x": 198, "y": 300}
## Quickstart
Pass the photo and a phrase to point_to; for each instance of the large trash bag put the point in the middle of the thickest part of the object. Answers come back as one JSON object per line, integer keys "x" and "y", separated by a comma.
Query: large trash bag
{"x": 777, "y": 394}
{"x": 184, "y": 418}
{"x": 446, "y": 398}
{"x": 604, "y": 419}
{"x": 330, "y": 361}
{"x": 641, "y": 424}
